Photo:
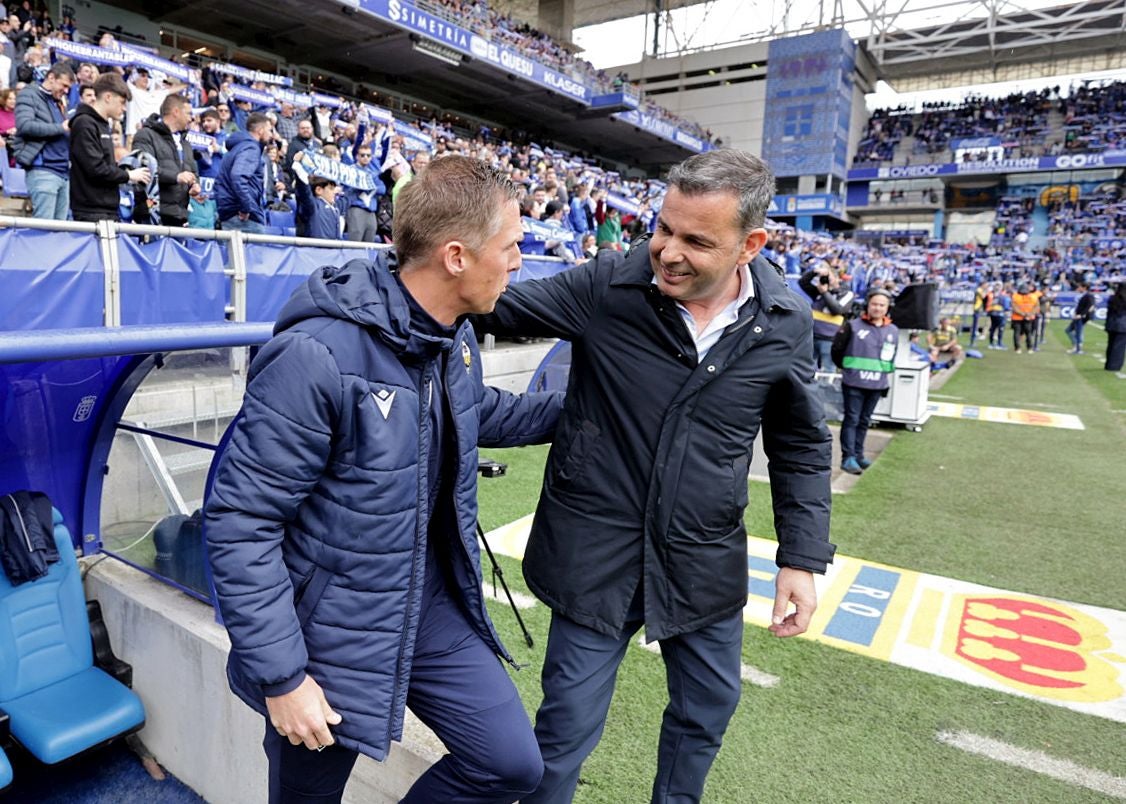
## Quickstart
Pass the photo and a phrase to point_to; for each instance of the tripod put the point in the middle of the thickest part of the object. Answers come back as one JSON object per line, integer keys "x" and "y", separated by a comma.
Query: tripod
{"x": 498, "y": 574}
{"x": 496, "y": 469}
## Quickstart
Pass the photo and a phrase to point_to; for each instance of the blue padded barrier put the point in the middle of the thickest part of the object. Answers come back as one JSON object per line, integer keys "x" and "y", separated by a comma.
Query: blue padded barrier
{"x": 274, "y": 271}
{"x": 531, "y": 268}
{"x": 554, "y": 370}
{"x": 169, "y": 280}
{"x": 58, "y": 702}
{"x": 49, "y": 280}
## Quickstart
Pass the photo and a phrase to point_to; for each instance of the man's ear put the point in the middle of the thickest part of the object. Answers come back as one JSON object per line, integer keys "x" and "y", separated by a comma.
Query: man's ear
{"x": 454, "y": 255}
{"x": 752, "y": 245}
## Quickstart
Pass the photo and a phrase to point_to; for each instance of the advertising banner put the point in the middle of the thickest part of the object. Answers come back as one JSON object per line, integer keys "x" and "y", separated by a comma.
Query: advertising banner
{"x": 1019, "y": 165}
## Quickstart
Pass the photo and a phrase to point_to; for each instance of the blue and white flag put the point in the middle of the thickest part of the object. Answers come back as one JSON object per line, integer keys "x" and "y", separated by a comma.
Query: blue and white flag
{"x": 252, "y": 76}
{"x": 314, "y": 164}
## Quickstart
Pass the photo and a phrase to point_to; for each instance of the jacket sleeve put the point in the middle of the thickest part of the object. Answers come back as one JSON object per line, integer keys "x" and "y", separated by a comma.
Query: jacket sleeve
{"x": 28, "y": 125}
{"x": 805, "y": 282}
{"x": 86, "y": 154}
{"x": 145, "y": 140}
{"x": 242, "y": 171}
{"x": 840, "y": 344}
{"x": 515, "y": 420}
{"x": 556, "y": 307}
{"x": 798, "y": 447}
{"x": 276, "y": 455}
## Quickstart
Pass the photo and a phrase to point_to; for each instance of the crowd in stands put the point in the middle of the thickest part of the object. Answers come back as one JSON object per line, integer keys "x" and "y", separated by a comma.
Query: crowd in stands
{"x": 1091, "y": 118}
{"x": 284, "y": 170}
{"x": 503, "y": 29}
{"x": 223, "y": 161}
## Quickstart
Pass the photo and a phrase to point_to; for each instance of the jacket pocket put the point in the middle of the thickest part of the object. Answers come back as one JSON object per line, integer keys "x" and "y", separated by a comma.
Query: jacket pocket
{"x": 307, "y": 596}
{"x": 578, "y": 451}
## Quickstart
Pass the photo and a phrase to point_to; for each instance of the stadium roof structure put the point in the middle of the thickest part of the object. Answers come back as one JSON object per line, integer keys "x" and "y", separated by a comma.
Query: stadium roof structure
{"x": 913, "y": 41}
{"x": 337, "y": 38}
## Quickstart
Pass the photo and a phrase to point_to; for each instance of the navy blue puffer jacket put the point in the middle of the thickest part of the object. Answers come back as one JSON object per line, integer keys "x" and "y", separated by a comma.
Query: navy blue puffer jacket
{"x": 317, "y": 521}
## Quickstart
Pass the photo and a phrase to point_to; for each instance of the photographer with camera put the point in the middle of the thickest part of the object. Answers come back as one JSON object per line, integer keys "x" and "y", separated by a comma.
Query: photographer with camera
{"x": 831, "y": 302}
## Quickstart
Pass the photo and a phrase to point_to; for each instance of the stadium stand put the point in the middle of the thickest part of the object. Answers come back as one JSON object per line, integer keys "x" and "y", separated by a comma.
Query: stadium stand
{"x": 1089, "y": 117}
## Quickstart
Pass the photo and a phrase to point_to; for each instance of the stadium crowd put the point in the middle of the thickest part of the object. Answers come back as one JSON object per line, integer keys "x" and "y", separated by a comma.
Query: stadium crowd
{"x": 227, "y": 161}
{"x": 1090, "y": 117}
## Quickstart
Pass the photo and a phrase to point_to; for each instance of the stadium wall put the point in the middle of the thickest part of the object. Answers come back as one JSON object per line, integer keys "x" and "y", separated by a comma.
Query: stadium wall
{"x": 93, "y": 15}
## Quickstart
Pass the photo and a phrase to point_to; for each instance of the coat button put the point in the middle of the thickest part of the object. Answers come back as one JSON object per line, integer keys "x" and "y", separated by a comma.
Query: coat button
{"x": 711, "y": 369}
{"x": 758, "y": 329}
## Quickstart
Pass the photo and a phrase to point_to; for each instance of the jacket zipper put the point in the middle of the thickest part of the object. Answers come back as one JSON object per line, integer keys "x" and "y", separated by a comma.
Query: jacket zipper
{"x": 481, "y": 611}
{"x": 23, "y": 526}
{"x": 423, "y": 412}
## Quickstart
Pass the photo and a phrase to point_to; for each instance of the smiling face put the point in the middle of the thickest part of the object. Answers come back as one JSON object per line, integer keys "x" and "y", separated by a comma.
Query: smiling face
{"x": 698, "y": 246}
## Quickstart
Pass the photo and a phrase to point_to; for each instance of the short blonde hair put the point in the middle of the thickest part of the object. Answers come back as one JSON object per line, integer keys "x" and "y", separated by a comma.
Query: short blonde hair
{"x": 455, "y": 198}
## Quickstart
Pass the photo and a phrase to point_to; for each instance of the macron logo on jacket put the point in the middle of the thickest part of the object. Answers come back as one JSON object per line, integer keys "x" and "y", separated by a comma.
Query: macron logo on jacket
{"x": 383, "y": 400}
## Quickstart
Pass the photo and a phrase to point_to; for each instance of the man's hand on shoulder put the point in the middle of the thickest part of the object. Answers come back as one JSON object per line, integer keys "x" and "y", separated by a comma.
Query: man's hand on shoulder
{"x": 303, "y": 715}
{"x": 793, "y": 586}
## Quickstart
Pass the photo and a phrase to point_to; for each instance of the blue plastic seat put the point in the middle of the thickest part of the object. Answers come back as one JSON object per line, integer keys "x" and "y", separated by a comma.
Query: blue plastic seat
{"x": 58, "y": 702}
{"x": 14, "y": 178}
{"x": 281, "y": 220}
{"x": 5, "y": 770}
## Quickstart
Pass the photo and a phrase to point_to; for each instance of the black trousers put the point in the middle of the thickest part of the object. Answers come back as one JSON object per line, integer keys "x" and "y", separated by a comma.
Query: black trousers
{"x": 1115, "y": 350}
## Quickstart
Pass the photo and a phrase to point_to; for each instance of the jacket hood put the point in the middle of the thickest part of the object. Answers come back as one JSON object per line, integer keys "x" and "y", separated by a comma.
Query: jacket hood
{"x": 366, "y": 293}
{"x": 86, "y": 110}
{"x": 156, "y": 123}
{"x": 241, "y": 138}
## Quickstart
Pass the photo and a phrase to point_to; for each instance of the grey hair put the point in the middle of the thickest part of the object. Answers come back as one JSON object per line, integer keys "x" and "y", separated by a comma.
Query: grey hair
{"x": 728, "y": 170}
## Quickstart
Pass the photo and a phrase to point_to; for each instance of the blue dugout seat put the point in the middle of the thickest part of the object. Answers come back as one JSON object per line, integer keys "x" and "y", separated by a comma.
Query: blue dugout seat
{"x": 14, "y": 178}
{"x": 5, "y": 770}
{"x": 58, "y": 702}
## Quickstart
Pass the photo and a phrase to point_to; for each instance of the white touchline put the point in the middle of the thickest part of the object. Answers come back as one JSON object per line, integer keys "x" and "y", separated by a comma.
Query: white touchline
{"x": 752, "y": 675}
{"x": 521, "y": 600}
{"x": 1036, "y": 761}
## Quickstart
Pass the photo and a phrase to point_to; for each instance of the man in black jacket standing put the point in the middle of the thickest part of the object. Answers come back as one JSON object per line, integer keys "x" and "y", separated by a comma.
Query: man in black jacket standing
{"x": 162, "y": 136}
{"x": 96, "y": 179}
{"x": 678, "y": 356}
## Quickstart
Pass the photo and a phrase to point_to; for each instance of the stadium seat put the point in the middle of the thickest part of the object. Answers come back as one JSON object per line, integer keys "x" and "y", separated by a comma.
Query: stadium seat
{"x": 14, "y": 178}
{"x": 58, "y": 702}
{"x": 5, "y": 770}
{"x": 281, "y": 220}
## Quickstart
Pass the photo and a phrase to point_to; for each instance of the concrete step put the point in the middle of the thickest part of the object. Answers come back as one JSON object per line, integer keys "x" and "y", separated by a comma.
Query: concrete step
{"x": 510, "y": 366}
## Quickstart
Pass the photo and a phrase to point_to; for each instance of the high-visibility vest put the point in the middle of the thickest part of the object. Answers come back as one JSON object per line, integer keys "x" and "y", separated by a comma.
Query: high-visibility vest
{"x": 1025, "y": 306}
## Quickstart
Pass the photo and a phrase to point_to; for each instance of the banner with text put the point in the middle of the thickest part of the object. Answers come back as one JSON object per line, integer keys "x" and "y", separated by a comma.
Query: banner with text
{"x": 411, "y": 18}
{"x": 1029, "y": 164}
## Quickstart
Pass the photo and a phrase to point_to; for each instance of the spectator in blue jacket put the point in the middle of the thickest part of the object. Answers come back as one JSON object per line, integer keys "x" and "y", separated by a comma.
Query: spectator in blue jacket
{"x": 239, "y": 193}
{"x": 324, "y": 219}
{"x": 341, "y": 527}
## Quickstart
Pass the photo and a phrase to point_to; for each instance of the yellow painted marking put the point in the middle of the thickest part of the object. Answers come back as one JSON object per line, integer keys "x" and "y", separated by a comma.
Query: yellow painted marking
{"x": 925, "y": 623}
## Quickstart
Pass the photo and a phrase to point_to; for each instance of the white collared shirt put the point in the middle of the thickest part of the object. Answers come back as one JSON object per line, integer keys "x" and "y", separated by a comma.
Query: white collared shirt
{"x": 706, "y": 339}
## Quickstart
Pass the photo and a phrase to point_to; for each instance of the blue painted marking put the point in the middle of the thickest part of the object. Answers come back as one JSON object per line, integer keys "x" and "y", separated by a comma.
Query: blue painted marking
{"x": 971, "y": 412}
{"x": 859, "y": 615}
{"x": 757, "y": 586}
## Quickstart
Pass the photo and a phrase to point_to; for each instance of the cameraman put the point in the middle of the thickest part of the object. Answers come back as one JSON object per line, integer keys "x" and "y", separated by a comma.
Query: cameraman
{"x": 831, "y": 303}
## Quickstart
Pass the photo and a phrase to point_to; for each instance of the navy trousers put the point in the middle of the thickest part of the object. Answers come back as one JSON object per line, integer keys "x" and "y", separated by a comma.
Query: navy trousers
{"x": 859, "y": 403}
{"x": 460, "y": 690}
{"x": 703, "y": 676}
